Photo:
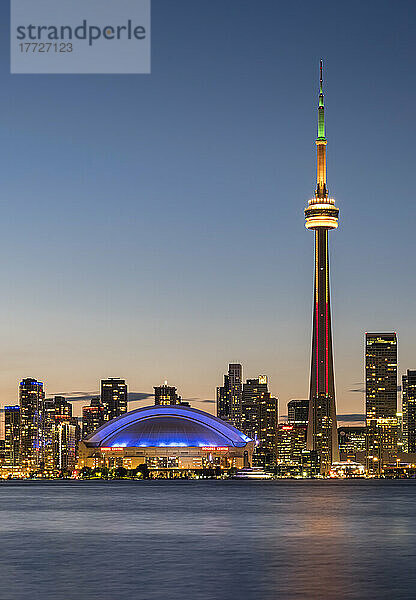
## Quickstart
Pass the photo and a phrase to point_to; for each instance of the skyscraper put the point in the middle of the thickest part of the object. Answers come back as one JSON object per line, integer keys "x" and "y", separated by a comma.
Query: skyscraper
{"x": 381, "y": 375}
{"x": 409, "y": 410}
{"x": 92, "y": 417}
{"x": 57, "y": 417}
{"x": 291, "y": 444}
{"x": 31, "y": 398}
{"x": 259, "y": 418}
{"x": 224, "y": 400}
{"x": 351, "y": 442}
{"x": 235, "y": 375}
{"x": 298, "y": 411}
{"x": 229, "y": 396}
{"x": 62, "y": 406}
{"x": 48, "y": 423}
{"x": 113, "y": 397}
{"x": 321, "y": 216}
{"x": 12, "y": 434}
{"x": 165, "y": 395}
{"x": 55, "y": 411}
{"x": 65, "y": 441}
{"x": 380, "y": 398}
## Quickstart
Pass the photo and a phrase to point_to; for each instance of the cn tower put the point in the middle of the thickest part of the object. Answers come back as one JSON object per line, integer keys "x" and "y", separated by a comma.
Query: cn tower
{"x": 321, "y": 216}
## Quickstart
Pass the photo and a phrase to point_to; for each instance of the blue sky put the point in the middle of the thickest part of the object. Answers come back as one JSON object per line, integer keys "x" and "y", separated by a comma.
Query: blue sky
{"x": 152, "y": 225}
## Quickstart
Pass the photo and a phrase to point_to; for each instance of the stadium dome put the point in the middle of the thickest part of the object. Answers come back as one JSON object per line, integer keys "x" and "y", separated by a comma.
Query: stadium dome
{"x": 166, "y": 426}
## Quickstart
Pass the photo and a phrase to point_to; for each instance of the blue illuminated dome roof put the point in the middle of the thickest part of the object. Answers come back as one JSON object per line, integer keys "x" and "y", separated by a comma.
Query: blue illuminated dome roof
{"x": 157, "y": 426}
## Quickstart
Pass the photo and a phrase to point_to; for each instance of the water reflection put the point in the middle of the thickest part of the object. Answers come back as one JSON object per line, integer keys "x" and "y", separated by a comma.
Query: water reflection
{"x": 207, "y": 540}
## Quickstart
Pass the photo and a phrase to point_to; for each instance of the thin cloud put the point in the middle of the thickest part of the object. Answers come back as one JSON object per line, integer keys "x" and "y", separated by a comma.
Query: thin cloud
{"x": 362, "y": 389}
{"x": 76, "y": 396}
{"x": 198, "y": 400}
{"x": 136, "y": 396}
{"x": 347, "y": 418}
{"x": 351, "y": 417}
{"x": 87, "y": 396}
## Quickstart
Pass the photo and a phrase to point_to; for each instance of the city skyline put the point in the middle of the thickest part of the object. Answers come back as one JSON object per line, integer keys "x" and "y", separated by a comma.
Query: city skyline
{"x": 163, "y": 254}
{"x": 202, "y": 385}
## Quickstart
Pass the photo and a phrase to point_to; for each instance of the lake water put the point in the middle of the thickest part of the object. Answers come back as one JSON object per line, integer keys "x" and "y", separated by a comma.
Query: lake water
{"x": 208, "y": 540}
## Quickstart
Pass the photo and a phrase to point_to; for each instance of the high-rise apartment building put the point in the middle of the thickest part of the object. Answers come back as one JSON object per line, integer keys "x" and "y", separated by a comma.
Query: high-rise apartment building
{"x": 224, "y": 400}
{"x": 321, "y": 216}
{"x": 298, "y": 412}
{"x": 55, "y": 411}
{"x": 65, "y": 443}
{"x": 12, "y": 434}
{"x": 230, "y": 395}
{"x": 235, "y": 377}
{"x": 381, "y": 374}
{"x": 165, "y": 395}
{"x": 48, "y": 422}
{"x": 113, "y": 397}
{"x": 62, "y": 406}
{"x": 92, "y": 417}
{"x": 381, "y": 399}
{"x": 31, "y": 399}
{"x": 259, "y": 418}
{"x": 57, "y": 422}
{"x": 291, "y": 445}
{"x": 351, "y": 442}
{"x": 409, "y": 411}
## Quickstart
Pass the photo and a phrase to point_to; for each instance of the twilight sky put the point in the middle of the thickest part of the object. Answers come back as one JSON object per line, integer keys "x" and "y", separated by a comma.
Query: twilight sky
{"x": 152, "y": 225}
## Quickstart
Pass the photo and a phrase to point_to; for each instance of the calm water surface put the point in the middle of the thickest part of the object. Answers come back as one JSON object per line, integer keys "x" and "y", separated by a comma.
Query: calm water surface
{"x": 209, "y": 540}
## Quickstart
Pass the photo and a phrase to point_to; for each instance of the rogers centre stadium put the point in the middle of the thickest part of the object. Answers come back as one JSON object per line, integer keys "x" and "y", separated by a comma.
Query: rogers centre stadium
{"x": 166, "y": 438}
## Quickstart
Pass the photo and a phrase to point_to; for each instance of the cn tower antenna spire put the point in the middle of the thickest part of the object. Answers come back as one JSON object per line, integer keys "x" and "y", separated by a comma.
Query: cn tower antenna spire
{"x": 321, "y": 110}
{"x": 321, "y": 78}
